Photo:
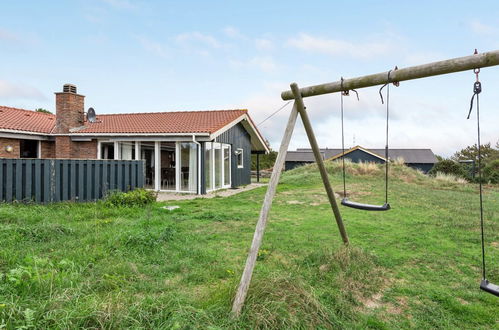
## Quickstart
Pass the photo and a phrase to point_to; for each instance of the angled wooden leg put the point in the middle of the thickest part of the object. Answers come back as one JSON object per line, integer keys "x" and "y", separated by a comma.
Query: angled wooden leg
{"x": 318, "y": 159}
{"x": 242, "y": 290}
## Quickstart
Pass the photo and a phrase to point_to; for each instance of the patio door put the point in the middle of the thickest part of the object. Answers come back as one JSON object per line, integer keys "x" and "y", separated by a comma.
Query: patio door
{"x": 217, "y": 167}
{"x": 226, "y": 165}
{"x": 187, "y": 171}
{"x": 168, "y": 166}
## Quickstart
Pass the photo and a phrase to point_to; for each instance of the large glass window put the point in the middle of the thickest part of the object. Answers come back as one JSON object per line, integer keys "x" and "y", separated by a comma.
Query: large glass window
{"x": 168, "y": 177}
{"x": 127, "y": 150}
{"x": 208, "y": 166}
{"x": 226, "y": 165}
{"x": 217, "y": 165}
{"x": 188, "y": 166}
{"x": 107, "y": 150}
{"x": 147, "y": 154}
{"x": 217, "y": 154}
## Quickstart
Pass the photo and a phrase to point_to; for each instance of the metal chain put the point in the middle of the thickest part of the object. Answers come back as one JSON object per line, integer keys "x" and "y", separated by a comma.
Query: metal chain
{"x": 477, "y": 89}
{"x": 387, "y": 85}
{"x": 343, "y": 139}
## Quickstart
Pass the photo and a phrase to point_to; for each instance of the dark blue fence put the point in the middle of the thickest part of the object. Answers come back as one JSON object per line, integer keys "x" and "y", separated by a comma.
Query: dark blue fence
{"x": 55, "y": 180}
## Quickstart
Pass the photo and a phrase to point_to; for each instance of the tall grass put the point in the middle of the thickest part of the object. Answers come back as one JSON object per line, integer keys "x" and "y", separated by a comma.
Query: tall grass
{"x": 417, "y": 266}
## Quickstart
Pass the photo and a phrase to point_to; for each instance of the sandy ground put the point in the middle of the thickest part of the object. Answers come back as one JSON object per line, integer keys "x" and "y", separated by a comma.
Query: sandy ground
{"x": 164, "y": 196}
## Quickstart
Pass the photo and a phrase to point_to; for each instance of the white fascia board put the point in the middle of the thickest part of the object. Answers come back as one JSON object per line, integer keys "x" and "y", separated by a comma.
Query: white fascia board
{"x": 152, "y": 139}
{"x": 253, "y": 132}
{"x": 13, "y": 134}
{"x": 159, "y": 135}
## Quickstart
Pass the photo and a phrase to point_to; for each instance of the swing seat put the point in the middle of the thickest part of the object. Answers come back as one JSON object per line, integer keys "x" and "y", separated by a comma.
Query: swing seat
{"x": 365, "y": 207}
{"x": 489, "y": 287}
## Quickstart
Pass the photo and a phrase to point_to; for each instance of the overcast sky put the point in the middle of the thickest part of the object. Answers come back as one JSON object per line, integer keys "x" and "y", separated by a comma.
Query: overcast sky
{"x": 141, "y": 56}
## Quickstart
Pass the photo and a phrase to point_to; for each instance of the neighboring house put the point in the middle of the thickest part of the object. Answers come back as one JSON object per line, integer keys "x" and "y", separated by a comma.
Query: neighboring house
{"x": 191, "y": 151}
{"x": 422, "y": 159}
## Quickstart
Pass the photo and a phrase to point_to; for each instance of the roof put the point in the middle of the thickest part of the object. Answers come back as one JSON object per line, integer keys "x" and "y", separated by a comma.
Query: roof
{"x": 26, "y": 120}
{"x": 410, "y": 156}
{"x": 163, "y": 122}
{"x": 301, "y": 156}
{"x": 208, "y": 122}
{"x": 341, "y": 153}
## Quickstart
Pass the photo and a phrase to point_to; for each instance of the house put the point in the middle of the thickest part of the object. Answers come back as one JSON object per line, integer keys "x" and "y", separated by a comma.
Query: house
{"x": 190, "y": 151}
{"x": 422, "y": 159}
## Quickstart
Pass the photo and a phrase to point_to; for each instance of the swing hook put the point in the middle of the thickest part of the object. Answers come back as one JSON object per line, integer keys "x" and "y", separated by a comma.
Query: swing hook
{"x": 477, "y": 87}
{"x": 347, "y": 92}
{"x": 395, "y": 83}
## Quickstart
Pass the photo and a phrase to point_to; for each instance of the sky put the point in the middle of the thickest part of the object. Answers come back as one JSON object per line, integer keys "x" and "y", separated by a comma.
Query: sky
{"x": 144, "y": 56}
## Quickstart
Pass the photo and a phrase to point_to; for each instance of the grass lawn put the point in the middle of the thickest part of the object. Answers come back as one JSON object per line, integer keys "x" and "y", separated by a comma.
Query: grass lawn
{"x": 416, "y": 266}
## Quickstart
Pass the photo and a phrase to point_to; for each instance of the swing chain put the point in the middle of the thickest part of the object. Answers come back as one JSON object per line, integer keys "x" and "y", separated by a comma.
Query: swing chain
{"x": 477, "y": 88}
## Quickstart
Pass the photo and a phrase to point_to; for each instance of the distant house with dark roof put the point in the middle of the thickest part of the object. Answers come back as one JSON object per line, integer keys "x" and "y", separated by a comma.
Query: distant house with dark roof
{"x": 422, "y": 159}
{"x": 188, "y": 151}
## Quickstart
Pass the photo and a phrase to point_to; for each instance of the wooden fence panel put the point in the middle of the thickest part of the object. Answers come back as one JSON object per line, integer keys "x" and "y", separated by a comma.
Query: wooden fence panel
{"x": 54, "y": 180}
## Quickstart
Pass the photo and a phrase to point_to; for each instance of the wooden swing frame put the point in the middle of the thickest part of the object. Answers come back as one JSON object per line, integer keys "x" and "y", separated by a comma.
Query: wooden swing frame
{"x": 475, "y": 61}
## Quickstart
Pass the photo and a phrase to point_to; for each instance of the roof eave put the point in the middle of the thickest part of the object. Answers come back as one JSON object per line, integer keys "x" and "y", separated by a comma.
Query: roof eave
{"x": 260, "y": 144}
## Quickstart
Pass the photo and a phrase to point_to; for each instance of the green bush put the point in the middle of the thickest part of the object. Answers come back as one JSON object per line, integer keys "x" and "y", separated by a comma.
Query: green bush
{"x": 448, "y": 166}
{"x": 137, "y": 197}
{"x": 491, "y": 171}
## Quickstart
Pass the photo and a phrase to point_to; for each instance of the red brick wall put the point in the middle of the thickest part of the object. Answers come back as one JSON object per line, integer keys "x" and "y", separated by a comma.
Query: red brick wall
{"x": 85, "y": 150}
{"x": 48, "y": 149}
{"x": 4, "y": 142}
{"x": 65, "y": 148}
{"x": 69, "y": 108}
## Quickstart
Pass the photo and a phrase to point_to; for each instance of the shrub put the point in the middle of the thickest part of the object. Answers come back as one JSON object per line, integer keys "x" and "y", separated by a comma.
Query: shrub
{"x": 137, "y": 197}
{"x": 491, "y": 171}
{"x": 449, "y": 178}
{"x": 448, "y": 166}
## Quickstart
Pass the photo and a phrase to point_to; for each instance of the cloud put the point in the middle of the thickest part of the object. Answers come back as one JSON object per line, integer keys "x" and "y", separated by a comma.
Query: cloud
{"x": 481, "y": 28}
{"x": 234, "y": 33}
{"x": 152, "y": 46}
{"x": 121, "y": 4}
{"x": 8, "y": 36}
{"x": 263, "y": 44}
{"x": 337, "y": 47}
{"x": 10, "y": 91}
{"x": 202, "y": 38}
{"x": 264, "y": 63}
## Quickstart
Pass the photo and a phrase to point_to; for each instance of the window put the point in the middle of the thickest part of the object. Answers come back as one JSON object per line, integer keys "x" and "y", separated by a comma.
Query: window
{"x": 29, "y": 149}
{"x": 239, "y": 158}
{"x": 217, "y": 165}
{"x": 107, "y": 150}
{"x": 127, "y": 150}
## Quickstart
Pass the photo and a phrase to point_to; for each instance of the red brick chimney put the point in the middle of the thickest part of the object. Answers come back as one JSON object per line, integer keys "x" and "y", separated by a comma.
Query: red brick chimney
{"x": 69, "y": 108}
{"x": 69, "y": 111}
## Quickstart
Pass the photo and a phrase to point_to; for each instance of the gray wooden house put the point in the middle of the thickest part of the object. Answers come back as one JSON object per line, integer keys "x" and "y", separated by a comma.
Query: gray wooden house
{"x": 422, "y": 159}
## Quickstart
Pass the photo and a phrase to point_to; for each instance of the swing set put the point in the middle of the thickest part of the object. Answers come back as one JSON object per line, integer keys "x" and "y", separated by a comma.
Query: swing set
{"x": 344, "y": 86}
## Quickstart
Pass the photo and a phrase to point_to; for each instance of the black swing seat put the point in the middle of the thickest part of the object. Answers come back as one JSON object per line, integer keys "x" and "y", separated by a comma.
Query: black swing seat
{"x": 365, "y": 207}
{"x": 489, "y": 287}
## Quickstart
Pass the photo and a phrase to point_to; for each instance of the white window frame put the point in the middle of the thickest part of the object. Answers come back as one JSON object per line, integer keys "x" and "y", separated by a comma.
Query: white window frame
{"x": 226, "y": 146}
{"x": 222, "y": 174}
{"x": 240, "y": 152}
{"x": 39, "y": 151}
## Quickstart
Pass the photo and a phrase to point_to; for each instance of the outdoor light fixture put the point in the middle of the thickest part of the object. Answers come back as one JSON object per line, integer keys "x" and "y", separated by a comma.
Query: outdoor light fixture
{"x": 9, "y": 149}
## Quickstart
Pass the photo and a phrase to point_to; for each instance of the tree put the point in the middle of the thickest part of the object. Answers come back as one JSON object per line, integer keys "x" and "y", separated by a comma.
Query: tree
{"x": 488, "y": 152}
{"x": 266, "y": 161}
{"x": 491, "y": 171}
{"x": 448, "y": 166}
{"x": 42, "y": 110}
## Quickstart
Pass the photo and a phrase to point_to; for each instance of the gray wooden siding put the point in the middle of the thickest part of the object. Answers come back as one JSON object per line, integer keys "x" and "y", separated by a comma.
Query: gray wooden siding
{"x": 238, "y": 137}
{"x": 55, "y": 180}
